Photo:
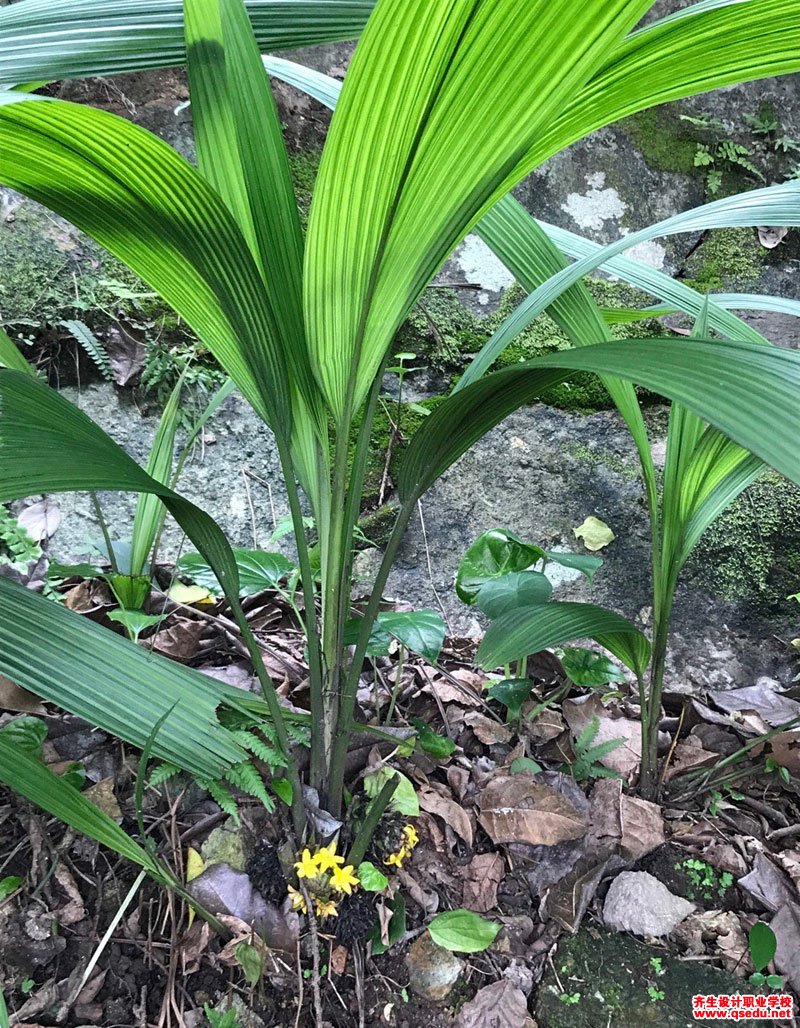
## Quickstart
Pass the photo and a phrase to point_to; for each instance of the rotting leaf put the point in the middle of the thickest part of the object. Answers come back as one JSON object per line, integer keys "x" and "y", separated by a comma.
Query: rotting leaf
{"x": 626, "y": 758}
{"x": 482, "y": 876}
{"x": 40, "y": 520}
{"x": 500, "y": 1004}
{"x": 517, "y": 808}
{"x": 569, "y": 899}
{"x": 488, "y": 731}
{"x": 448, "y": 810}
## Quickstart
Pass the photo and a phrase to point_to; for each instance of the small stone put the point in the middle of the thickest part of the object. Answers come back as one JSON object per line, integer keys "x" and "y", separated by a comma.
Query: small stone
{"x": 434, "y": 971}
{"x": 639, "y": 903}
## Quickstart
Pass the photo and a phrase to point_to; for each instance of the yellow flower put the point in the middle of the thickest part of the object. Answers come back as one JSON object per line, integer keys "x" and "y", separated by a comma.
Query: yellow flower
{"x": 343, "y": 879}
{"x": 410, "y": 833}
{"x": 326, "y": 908}
{"x": 398, "y": 858}
{"x": 307, "y": 866}
{"x": 298, "y": 900}
{"x": 326, "y": 857}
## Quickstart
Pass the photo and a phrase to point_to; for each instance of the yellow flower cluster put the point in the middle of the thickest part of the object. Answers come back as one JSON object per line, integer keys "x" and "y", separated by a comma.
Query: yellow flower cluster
{"x": 324, "y": 871}
{"x": 411, "y": 837}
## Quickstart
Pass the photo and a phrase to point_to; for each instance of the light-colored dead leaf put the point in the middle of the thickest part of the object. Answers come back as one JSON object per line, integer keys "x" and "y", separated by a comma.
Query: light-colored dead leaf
{"x": 73, "y": 911}
{"x": 466, "y": 690}
{"x": 517, "y": 808}
{"x": 89, "y": 597}
{"x": 449, "y": 811}
{"x": 627, "y": 757}
{"x": 569, "y": 899}
{"x": 102, "y": 795}
{"x": 40, "y": 520}
{"x": 482, "y": 876}
{"x": 688, "y": 754}
{"x": 547, "y": 725}
{"x": 786, "y": 750}
{"x": 499, "y": 1005}
{"x": 771, "y": 236}
{"x": 488, "y": 731}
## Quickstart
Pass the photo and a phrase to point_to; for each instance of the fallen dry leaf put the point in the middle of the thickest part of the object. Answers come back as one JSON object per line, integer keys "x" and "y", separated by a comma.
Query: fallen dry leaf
{"x": 179, "y": 640}
{"x": 761, "y": 699}
{"x": 635, "y": 826}
{"x": 482, "y": 876}
{"x": 73, "y": 911}
{"x": 768, "y": 884}
{"x": 449, "y": 811}
{"x": 499, "y": 1005}
{"x": 127, "y": 352}
{"x": 102, "y": 795}
{"x": 17, "y": 700}
{"x": 627, "y": 757}
{"x": 89, "y": 597}
{"x": 786, "y": 750}
{"x": 488, "y": 731}
{"x": 339, "y": 959}
{"x": 689, "y": 754}
{"x": 40, "y": 520}
{"x": 786, "y": 925}
{"x": 466, "y": 690}
{"x": 569, "y": 899}
{"x": 518, "y": 808}
{"x": 547, "y": 725}
{"x": 771, "y": 236}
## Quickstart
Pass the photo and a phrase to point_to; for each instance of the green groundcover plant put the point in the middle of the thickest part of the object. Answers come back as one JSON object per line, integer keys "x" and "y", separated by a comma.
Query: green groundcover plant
{"x": 447, "y": 105}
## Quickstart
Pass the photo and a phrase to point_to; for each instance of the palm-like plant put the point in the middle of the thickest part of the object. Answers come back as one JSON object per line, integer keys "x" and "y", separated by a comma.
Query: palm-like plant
{"x": 446, "y": 106}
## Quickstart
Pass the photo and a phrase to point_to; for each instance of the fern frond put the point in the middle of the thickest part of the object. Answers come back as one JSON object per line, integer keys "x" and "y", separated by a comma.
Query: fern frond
{"x": 162, "y": 773}
{"x": 245, "y": 777}
{"x": 93, "y": 347}
{"x": 221, "y": 795}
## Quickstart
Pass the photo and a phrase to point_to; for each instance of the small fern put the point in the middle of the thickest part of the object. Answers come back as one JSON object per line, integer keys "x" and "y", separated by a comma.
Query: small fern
{"x": 255, "y": 744}
{"x": 93, "y": 347}
{"x": 221, "y": 795}
{"x": 162, "y": 773}
{"x": 245, "y": 777}
{"x": 587, "y": 757}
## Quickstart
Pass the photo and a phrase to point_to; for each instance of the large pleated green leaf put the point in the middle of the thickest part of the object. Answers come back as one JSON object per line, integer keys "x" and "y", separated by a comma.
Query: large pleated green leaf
{"x": 515, "y": 237}
{"x": 10, "y": 357}
{"x": 774, "y": 205}
{"x": 113, "y": 683}
{"x": 31, "y": 779}
{"x": 241, "y": 152}
{"x": 138, "y": 198}
{"x": 708, "y": 47}
{"x": 49, "y": 39}
{"x": 441, "y": 100}
{"x": 528, "y": 630}
{"x": 739, "y": 388}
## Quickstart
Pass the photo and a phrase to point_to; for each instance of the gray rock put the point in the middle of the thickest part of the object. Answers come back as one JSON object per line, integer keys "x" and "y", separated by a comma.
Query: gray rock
{"x": 639, "y": 903}
{"x": 433, "y": 971}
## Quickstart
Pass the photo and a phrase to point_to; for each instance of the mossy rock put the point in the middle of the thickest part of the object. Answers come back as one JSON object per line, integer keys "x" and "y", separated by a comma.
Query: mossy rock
{"x": 665, "y": 141}
{"x": 604, "y": 979}
{"x": 727, "y": 258}
{"x": 753, "y": 548}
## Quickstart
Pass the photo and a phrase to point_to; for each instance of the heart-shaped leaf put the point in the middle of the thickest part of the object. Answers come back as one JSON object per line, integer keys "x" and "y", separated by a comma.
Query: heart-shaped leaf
{"x": 516, "y": 589}
{"x": 493, "y": 554}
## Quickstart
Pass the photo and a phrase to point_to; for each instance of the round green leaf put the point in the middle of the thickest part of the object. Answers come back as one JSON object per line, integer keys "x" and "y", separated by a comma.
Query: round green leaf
{"x": 762, "y": 942}
{"x": 493, "y": 554}
{"x": 589, "y": 669}
{"x": 431, "y": 742}
{"x": 512, "y": 693}
{"x": 516, "y": 589}
{"x": 258, "y": 570}
{"x": 372, "y": 880}
{"x": 462, "y": 931}
{"x": 404, "y": 800}
{"x": 421, "y": 631}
